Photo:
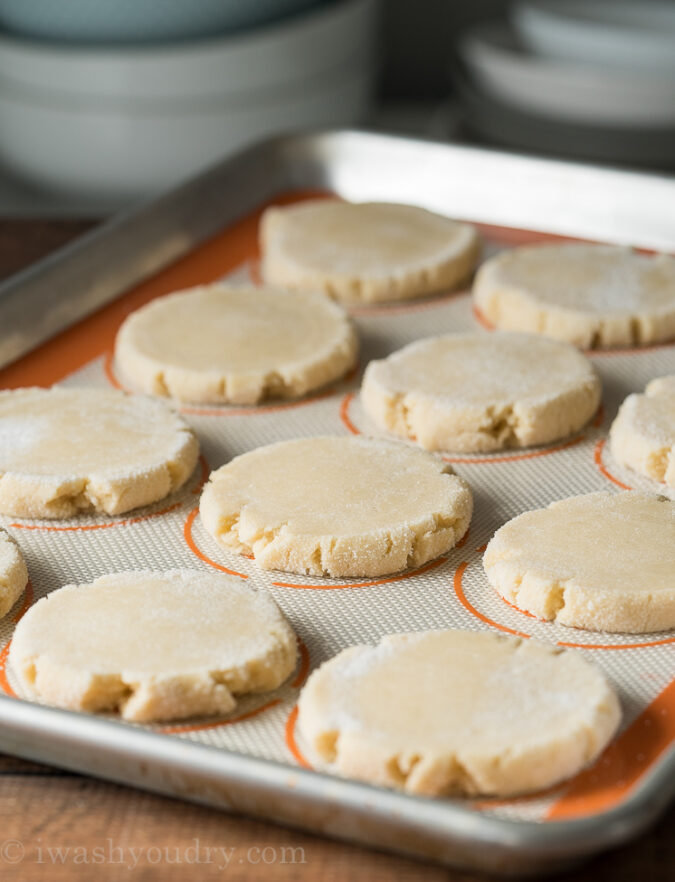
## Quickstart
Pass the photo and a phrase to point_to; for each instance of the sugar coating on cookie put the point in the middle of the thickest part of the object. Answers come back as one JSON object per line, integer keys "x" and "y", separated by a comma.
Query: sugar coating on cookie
{"x": 481, "y": 392}
{"x": 67, "y": 450}
{"x": 13, "y": 573}
{"x": 334, "y": 506}
{"x": 594, "y": 296}
{"x": 221, "y": 344}
{"x": 642, "y": 436}
{"x": 442, "y": 713}
{"x": 601, "y": 561}
{"x": 365, "y": 252}
{"x": 153, "y": 646}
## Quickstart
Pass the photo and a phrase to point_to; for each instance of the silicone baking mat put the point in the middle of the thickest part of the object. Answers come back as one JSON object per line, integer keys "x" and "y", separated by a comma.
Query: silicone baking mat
{"x": 329, "y": 615}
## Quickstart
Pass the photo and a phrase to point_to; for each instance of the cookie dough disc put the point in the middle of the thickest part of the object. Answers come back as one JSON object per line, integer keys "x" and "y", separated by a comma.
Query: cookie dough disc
{"x": 643, "y": 434}
{"x": 63, "y": 451}
{"x": 13, "y": 573}
{"x": 367, "y": 252}
{"x": 481, "y": 392}
{"x": 338, "y": 507}
{"x": 153, "y": 646}
{"x": 222, "y": 344}
{"x": 602, "y": 561}
{"x": 594, "y": 296}
{"x": 455, "y": 712}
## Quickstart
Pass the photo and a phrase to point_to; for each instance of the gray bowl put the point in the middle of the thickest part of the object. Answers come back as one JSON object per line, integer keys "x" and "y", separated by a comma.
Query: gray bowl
{"x": 489, "y": 119}
{"x": 140, "y": 21}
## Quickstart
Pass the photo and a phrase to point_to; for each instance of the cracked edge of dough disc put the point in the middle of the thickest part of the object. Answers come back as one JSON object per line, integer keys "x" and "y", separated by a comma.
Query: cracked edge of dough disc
{"x": 419, "y": 279}
{"x": 567, "y": 601}
{"x": 146, "y": 697}
{"x": 366, "y": 555}
{"x": 637, "y": 441}
{"x": 27, "y": 495}
{"x": 188, "y": 385}
{"x": 446, "y": 426}
{"x": 13, "y": 572}
{"x": 343, "y": 741}
{"x": 511, "y": 307}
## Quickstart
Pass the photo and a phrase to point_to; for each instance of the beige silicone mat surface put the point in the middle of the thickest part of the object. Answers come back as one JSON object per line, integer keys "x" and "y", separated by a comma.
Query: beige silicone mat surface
{"x": 329, "y": 615}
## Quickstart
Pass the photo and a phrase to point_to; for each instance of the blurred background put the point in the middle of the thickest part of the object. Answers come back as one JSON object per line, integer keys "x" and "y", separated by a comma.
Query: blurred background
{"x": 104, "y": 103}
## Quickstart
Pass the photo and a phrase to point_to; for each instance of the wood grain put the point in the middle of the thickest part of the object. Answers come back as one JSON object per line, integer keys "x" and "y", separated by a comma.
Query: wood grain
{"x": 24, "y": 241}
{"x": 63, "y": 827}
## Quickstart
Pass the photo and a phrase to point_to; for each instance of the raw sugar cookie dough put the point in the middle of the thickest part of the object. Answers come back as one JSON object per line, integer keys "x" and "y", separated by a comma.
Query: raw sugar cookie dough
{"x": 602, "y": 561}
{"x": 443, "y": 713}
{"x": 153, "y": 646}
{"x": 235, "y": 345}
{"x": 335, "y": 506}
{"x": 365, "y": 252}
{"x": 63, "y": 451}
{"x": 481, "y": 392}
{"x": 642, "y": 436}
{"x": 13, "y": 573}
{"x": 594, "y": 296}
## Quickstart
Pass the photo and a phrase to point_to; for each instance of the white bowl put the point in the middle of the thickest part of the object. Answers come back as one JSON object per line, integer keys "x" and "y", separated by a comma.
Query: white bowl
{"x": 563, "y": 90}
{"x": 500, "y": 123}
{"x": 134, "y": 21}
{"x": 271, "y": 57}
{"x": 114, "y": 155}
{"x": 623, "y": 34}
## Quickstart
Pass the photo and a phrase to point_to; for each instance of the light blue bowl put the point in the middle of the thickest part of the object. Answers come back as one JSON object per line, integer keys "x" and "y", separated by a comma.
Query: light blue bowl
{"x": 141, "y": 21}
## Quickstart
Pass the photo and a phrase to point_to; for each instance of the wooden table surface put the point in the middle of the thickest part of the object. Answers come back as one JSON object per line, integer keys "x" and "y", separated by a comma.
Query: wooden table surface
{"x": 59, "y": 826}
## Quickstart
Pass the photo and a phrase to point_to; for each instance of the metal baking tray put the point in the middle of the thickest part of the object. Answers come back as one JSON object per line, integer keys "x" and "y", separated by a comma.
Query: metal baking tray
{"x": 487, "y": 187}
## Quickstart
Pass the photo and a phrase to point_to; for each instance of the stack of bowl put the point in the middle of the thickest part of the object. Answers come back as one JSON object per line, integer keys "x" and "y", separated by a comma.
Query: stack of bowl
{"x": 587, "y": 78}
{"x": 115, "y": 101}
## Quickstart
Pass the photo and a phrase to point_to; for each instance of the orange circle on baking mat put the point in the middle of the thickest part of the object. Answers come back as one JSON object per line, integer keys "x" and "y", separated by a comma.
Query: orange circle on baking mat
{"x": 348, "y": 423}
{"x": 192, "y": 545}
{"x": 481, "y": 318}
{"x": 180, "y": 729}
{"x": 4, "y": 681}
{"x": 515, "y": 457}
{"x": 297, "y": 682}
{"x": 123, "y": 522}
{"x": 107, "y": 525}
{"x": 485, "y": 323}
{"x": 226, "y": 410}
{"x": 324, "y": 586}
{"x": 291, "y": 742}
{"x": 602, "y": 468}
{"x": 26, "y": 602}
{"x": 431, "y": 565}
{"x": 466, "y": 603}
{"x": 168, "y": 730}
{"x": 344, "y": 413}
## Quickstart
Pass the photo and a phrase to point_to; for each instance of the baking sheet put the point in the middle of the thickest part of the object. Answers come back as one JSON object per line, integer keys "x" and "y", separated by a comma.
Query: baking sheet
{"x": 329, "y": 615}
